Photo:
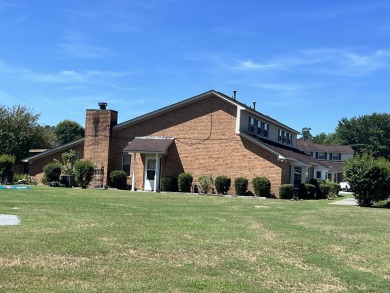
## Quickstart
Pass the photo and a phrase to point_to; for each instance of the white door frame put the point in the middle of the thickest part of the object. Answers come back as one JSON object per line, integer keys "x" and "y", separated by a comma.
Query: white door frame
{"x": 150, "y": 184}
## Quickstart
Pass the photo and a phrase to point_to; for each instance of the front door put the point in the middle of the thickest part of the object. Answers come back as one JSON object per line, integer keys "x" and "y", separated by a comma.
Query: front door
{"x": 297, "y": 176}
{"x": 150, "y": 172}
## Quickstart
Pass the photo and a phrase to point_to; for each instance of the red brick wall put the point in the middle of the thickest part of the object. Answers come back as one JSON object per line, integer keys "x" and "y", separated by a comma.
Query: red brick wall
{"x": 205, "y": 144}
{"x": 35, "y": 168}
{"x": 98, "y": 127}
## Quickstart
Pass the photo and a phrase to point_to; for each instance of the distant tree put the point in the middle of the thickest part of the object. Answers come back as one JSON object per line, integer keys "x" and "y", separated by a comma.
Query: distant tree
{"x": 306, "y": 133}
{"x": 20, "y": 132}
{"x": 67, "y": 131}
{"x": 328, "y": 139}
{"x": 368, "y": 134}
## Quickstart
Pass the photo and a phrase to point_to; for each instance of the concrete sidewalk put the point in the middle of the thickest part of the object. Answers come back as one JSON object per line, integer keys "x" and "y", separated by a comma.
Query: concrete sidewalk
{"x": 345, "y": 202}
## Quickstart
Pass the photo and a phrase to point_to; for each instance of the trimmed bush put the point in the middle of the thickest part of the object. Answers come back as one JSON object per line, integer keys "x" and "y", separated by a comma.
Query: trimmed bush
{"x": 306, "y": 191}
{"x": 118, "y": 179}
{"x": 241, "y": 185}
{"x": 205, "y": 183}
{"x": 169, "y": 183}
{"x": 222, "y": 184}
{"x": 286, "y": 191}
{"x": 52, "y": 172}
{"x": 324, "y": 190}
{"x": 262, "y": 186}
{"x": 184, "y": 182}
{"x": 83, "y": 171}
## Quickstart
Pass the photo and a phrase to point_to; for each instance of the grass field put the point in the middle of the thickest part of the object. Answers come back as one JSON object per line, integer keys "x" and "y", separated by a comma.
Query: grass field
{"x": 73, "y": 240}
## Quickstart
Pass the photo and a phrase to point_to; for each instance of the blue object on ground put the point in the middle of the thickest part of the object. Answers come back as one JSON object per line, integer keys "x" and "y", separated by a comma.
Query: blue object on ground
{"x": 14, "y": 187}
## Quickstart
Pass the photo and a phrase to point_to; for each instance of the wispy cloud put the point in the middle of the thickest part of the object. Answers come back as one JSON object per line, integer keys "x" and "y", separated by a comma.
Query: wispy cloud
{"x": 63, "y": 76}
{"x": 5, "y": 4}
{"x": 341, "y": 62}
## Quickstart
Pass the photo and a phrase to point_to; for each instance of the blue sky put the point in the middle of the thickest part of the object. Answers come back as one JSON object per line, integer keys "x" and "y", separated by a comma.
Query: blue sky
{"x": 305, "y": 63}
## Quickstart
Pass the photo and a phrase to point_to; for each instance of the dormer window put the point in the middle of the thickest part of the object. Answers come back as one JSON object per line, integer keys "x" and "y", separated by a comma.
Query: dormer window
{"x": 251, "y": 125}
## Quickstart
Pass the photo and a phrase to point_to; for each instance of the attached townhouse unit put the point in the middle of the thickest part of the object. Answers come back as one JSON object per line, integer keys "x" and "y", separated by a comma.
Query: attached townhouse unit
{"x": 332, "y": 156}
{"x": 208, "y": 134}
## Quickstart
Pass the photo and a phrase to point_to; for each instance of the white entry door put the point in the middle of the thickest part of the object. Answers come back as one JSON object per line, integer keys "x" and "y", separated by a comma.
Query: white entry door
{"x": 150, "y": 172}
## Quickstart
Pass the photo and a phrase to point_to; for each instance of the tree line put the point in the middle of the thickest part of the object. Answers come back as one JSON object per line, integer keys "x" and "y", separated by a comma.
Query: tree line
{"x": 367, "y": 135}
{"x": 20, "y": 131}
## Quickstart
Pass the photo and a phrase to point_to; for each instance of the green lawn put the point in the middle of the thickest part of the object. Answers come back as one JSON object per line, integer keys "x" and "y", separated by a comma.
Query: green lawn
{"x": 73, "y": 240}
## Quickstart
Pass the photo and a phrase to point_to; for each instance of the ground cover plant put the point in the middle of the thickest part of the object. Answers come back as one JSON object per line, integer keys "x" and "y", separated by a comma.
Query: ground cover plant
{"x": 74, "y": 240}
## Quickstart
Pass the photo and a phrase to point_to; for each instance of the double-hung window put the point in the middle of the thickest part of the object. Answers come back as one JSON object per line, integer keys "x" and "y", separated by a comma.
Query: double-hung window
{"x": 126, "y": 164}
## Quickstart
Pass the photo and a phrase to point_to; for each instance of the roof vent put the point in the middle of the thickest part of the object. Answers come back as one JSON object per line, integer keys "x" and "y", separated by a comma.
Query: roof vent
{"x": 254, "y": 105}
{"x": 234, "y": 94}
{"x": 102, "y": 106}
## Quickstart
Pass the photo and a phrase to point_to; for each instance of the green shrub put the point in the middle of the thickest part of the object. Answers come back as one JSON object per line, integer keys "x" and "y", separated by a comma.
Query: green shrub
{"x": 222, "y": 184}
{"x": 262, "y": 186}
{"x": 334, "y": 189}
{"x": 169, "y": 183}
{"x": 205, "y": 183}
{"x": 6, "y": 162}
{"x": 383, "y": 204}
{"x": 286, "y": 191}
{"x": 324, "y": 191}
{"x": 369, "y": 179}
{"x": 84, "y": 170}
{"x": 306, "y": 191}
{"x": 118, "y": 179}
{"x": 52, "y": 172}
{"x": 241, "y": 185}
{"x": 184, "y": 182}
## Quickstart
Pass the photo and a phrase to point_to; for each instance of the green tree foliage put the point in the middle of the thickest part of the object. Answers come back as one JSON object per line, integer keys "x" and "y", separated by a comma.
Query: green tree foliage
{"x": 67, "y": 131}
{"x": 306, "y": 133}
{"x": 368, "y": 134}
{"x": 83, "y": 171}
{"x": 20, "y": 132}
{"x": 369, "y": 178}
{"x": 328, "y": 139}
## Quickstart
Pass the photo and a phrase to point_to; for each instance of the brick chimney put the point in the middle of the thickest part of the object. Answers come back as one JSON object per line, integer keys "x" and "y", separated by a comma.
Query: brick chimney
{"x": 98, "y": 135}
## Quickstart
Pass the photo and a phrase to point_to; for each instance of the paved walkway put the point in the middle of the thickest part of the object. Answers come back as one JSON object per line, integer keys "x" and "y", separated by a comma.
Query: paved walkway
{"x": 345, "y": 202}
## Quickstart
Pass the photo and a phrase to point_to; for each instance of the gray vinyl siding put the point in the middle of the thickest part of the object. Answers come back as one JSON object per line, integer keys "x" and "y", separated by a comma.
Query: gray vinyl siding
{"x": 272, "y": 131}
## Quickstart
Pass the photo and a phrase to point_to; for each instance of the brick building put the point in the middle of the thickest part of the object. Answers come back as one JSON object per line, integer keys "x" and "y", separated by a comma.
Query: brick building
{"x": 208, "y": 134}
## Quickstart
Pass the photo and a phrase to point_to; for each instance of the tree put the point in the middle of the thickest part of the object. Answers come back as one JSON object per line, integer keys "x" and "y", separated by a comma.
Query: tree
{"x": 369, "y": 178}
{"x": 328, "y": 139}
{"x": 67, "y": 131}
{"x": 306, "y": 133}
{"x": 368, "y": 134}
{"x": 20, "y": 132}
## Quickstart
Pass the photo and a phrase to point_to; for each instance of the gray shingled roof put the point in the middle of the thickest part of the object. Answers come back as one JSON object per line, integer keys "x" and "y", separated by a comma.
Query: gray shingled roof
{"x": 307, "y": 145}
{"x": 149, "y": 144}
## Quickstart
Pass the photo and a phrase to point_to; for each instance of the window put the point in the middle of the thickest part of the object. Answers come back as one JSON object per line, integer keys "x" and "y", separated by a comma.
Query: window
{"x": 251, "y": 124}
{"x": 284, "y": 137}
{"x": 258, "y": 127}
{"x": 289, "y": 138}
{"x": 265, "y": 129}
{"x": 126, "y": 164}
{"x": 335, "y": 156}
{"x": 321, "y": 155}
{"x": 318, "y": 174}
